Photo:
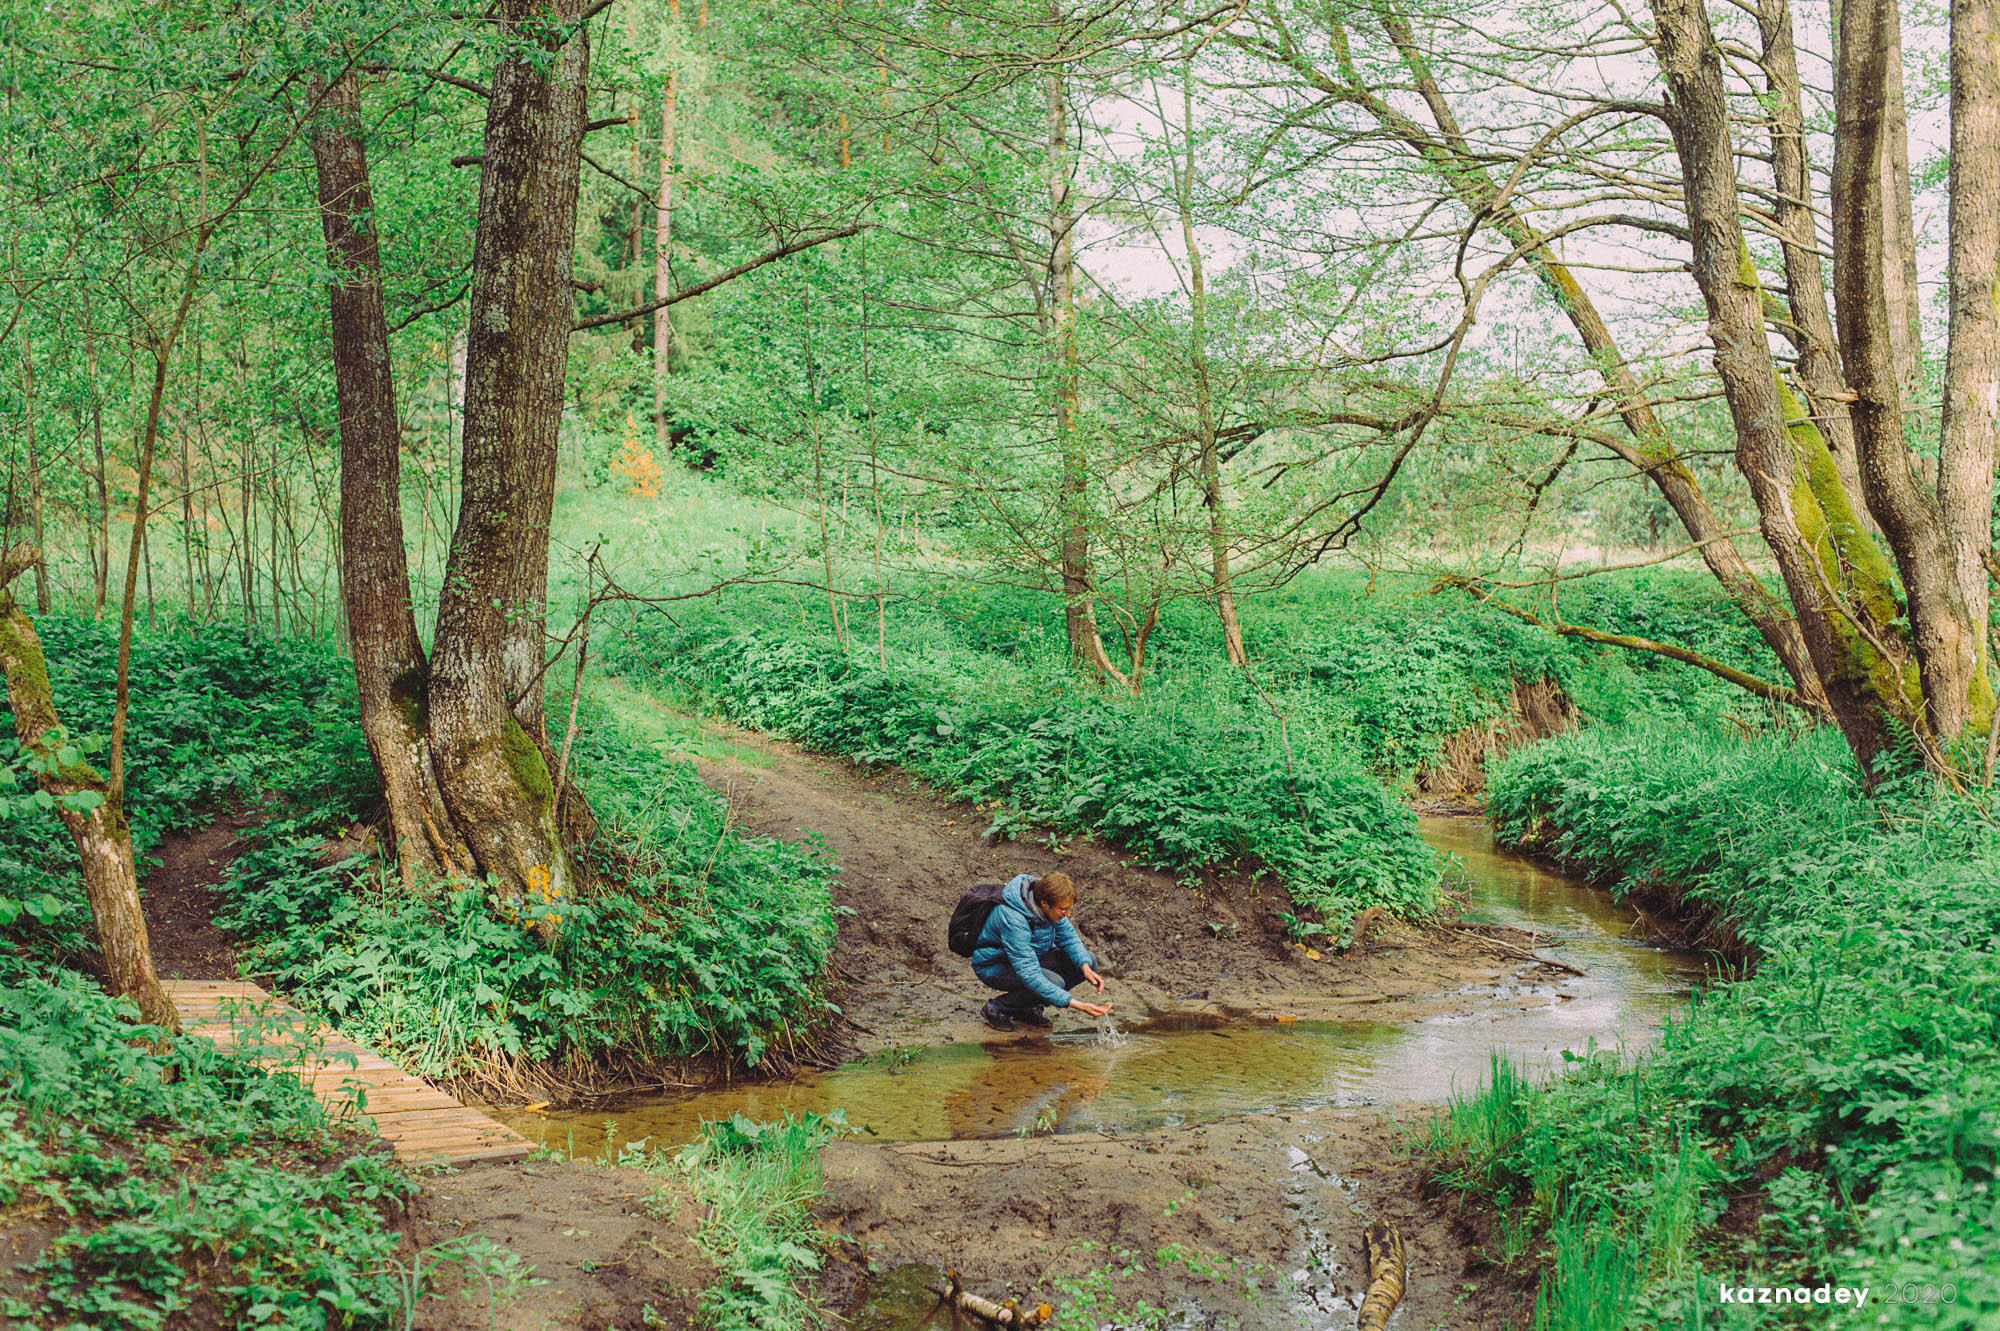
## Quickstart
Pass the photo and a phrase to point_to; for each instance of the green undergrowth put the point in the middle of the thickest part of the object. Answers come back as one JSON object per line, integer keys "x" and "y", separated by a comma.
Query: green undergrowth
{"x": 1282, "y": 768}
{"x": 1389, "y": 676}
{"x": 218, "y": 715}
{"x": 1187, "y": 777}
{"x": 759, "y": 1182}
{"x": 177, "y": 1186}
{"x": 693, "y": 940}
{"x": 1833, "y": 1119}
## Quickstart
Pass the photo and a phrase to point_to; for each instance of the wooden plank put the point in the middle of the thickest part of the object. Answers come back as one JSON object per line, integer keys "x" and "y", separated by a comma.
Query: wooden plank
{"x": 418, "y": 1120}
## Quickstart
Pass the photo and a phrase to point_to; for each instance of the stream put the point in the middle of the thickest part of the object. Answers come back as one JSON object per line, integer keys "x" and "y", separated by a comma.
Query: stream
{"x": 1169, "y": 1072}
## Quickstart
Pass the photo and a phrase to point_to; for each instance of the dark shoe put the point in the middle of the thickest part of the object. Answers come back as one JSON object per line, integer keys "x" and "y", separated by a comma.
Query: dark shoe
{"x": 1035, "y": 1018}
{"x": 995, "y": 1018}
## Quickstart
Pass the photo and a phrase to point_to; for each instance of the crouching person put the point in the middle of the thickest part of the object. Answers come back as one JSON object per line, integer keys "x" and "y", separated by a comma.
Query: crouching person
{"x": 1031, "y": 953}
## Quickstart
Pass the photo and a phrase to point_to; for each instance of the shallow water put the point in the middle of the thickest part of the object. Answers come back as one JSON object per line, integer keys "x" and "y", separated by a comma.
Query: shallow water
{"x": 1167, "y": 1072}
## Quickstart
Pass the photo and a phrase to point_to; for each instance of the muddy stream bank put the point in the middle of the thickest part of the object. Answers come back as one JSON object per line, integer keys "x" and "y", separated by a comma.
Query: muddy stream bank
{"x": 1209, "y": 1156}
{"x": 1191, "y": 1064}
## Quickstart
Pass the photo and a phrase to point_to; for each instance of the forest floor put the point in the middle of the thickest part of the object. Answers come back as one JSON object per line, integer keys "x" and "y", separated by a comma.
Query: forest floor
{"x": 1239, "y": 1208}
{"x": 180, "y": 901}
{"x": 1238, "y": 1223}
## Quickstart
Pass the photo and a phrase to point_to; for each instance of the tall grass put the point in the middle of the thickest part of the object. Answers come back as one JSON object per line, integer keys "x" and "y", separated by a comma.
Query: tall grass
{"x": 759, "y": 1181}
{"x": 1836, "y": 1116}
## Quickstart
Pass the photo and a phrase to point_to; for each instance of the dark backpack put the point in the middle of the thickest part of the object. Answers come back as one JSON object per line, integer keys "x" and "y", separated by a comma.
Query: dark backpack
{"x": 968, "y": 918}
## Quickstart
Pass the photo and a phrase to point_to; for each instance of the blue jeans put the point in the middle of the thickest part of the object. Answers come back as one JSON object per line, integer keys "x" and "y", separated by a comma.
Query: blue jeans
{"x": 1016, "y": 998}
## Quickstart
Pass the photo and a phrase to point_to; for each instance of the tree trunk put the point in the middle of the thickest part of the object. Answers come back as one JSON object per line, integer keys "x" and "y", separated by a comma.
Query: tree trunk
{"x": 101, "y": 538}
{"x": 389, "y": 667}
{"x": 663, "y": 269}
{"x": 485, "y": 712}
{"x": 1211, "y": 462}
{"x": 1972, "y": 363}
{"x": 1810, "y": 328}
{"x": 34, "y": 470}
{"x": 1086, "y": 645}
{"x": 1948, "y": 642}
{"x": 1793, "y": 511}
{"x": 103, "y": 841}
{"x": 1899, "y": 273}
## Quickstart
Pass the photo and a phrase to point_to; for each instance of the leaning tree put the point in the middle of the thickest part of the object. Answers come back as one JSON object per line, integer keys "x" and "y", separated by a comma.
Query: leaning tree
{"x": 1508, "y": 144}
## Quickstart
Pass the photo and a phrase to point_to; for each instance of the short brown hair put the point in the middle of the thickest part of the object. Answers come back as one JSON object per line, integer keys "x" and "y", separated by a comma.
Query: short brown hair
{"x": 1055, "y": 889}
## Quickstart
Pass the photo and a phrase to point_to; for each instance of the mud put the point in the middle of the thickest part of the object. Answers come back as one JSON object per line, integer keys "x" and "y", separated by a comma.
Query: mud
{"x": 180, "y": 901}
{"x": 1254, "y": 1223}
{"x": 596, "y": 1248}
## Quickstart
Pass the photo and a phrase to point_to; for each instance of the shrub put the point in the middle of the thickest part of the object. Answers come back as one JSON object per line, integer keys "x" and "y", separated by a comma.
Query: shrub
{"x": 1190, "y": 776}
{"x": 217, "y": 714}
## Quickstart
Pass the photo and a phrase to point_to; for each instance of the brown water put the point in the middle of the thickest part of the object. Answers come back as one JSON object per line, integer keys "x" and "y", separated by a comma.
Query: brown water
{"x": 1167, "y": 1072}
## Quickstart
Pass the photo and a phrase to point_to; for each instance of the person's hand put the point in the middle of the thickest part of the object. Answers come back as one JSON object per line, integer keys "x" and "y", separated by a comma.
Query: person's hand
{"x": 1096, "y": 980}
{"x": 1091, "y": 1009}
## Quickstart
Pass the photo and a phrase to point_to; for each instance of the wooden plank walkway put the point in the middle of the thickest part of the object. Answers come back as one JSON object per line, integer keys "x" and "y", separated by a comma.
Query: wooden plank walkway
{"x": 421, "y": 1122}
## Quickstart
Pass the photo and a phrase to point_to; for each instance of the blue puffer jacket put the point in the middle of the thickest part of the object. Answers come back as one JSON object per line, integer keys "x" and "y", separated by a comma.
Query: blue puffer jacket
{"x": 1016, "y": 935}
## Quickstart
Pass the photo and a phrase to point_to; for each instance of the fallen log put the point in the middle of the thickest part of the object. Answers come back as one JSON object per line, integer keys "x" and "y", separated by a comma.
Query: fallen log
{"x": 1386, "y": 1273}
{"x": 1009, "y": 1314}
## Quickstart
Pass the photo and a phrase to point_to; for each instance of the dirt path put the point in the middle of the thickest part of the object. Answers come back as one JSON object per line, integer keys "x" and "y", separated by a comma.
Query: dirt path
{"x": 905, "y": 855}
{"x": 180, "y": 900}
{"x": 1253, "y": 1222}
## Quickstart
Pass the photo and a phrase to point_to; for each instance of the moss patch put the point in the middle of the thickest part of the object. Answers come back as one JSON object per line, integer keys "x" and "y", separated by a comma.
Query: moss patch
{"x": 525, "y": 761}
{"x": 407, "y": 696}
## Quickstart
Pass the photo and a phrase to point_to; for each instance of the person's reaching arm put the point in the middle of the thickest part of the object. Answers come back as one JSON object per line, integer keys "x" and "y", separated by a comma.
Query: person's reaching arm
{"x": 1071, "y": 942}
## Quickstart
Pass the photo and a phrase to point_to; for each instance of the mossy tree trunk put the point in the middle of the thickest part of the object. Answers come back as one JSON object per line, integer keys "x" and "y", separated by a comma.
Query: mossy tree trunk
{"x": 484, "y": 690}
{"x": 389, "y": 666}
{"x": 103, "y": 841}
{"x": 1894, "y": 646}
